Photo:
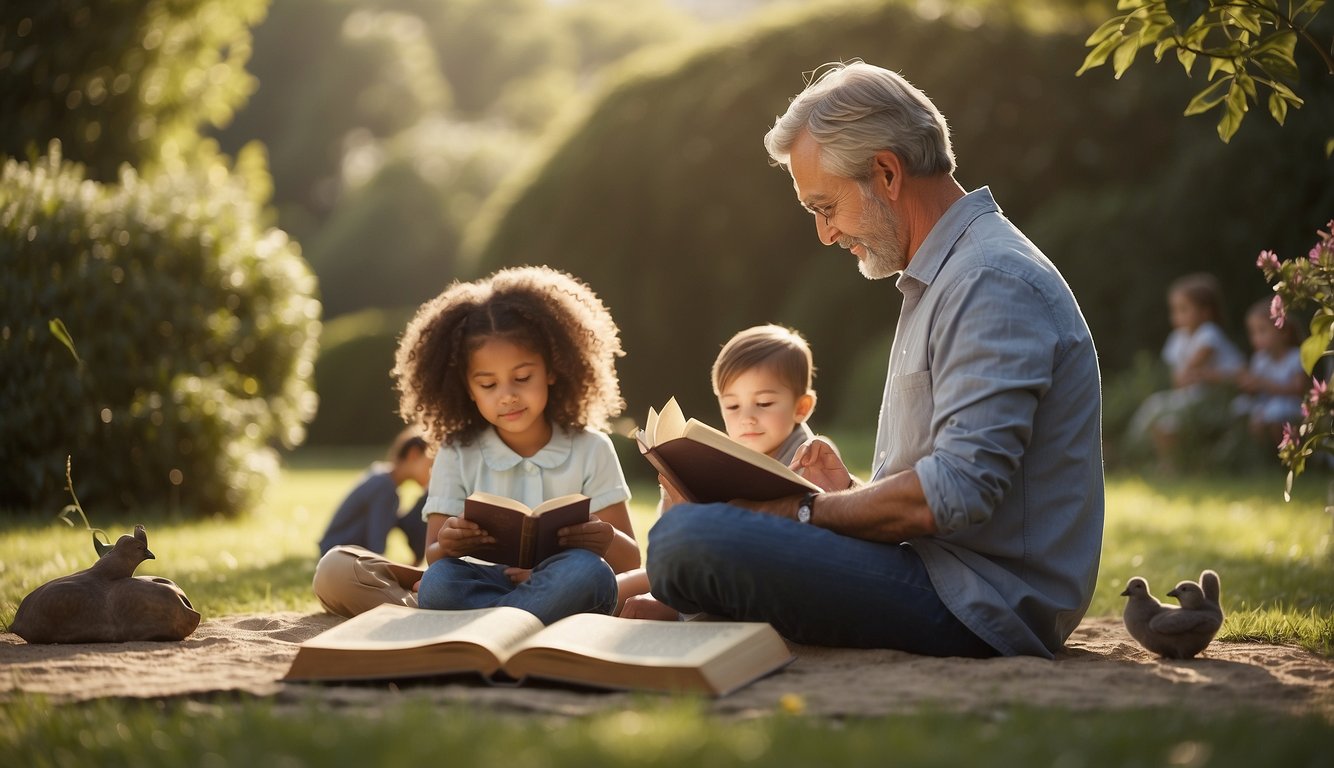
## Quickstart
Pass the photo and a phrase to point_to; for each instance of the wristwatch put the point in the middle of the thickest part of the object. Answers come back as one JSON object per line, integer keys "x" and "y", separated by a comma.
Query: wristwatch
{"x": 806, "y": 507}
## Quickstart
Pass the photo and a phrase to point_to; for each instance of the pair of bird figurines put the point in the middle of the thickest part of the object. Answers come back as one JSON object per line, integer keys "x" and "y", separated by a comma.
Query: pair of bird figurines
{"x": 1169, "y": 631}
{"x": 107, "y": 603}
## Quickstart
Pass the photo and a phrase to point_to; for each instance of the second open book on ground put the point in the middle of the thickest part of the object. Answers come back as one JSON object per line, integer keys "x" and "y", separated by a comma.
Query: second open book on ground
{"x": 395, "y": 642}
{"x": 707, "y": 466}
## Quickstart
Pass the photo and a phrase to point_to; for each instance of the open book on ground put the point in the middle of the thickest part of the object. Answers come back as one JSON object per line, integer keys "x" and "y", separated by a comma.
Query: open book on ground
{"x": 396, "y": 642}
{"x": 707, "y": 466}
{"x": 524, "y": 537}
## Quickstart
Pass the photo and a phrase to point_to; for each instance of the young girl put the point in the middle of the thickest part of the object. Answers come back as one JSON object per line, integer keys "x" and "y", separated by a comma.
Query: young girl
{"x": 1273, "y": 385}
{"x": 1199, "y": 355}
{"x": 511, "y": 375}
{"x": 762, "y": 379}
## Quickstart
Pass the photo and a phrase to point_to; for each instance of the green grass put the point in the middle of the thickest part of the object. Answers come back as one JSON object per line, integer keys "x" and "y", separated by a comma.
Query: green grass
{"x": 1274, "y": 558}
{"x": 651, "y": 734}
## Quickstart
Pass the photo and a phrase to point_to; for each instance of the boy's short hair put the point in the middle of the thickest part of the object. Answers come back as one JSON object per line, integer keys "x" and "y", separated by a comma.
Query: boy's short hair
{"x": 407, "y": 440}
{"x": 780, "y": 350}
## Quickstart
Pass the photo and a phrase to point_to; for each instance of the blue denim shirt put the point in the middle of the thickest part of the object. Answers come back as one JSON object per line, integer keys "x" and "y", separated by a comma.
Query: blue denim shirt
{"x": 993, "y": 396}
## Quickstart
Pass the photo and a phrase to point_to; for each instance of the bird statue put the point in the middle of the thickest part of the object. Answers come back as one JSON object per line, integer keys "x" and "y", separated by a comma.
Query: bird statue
{"x": 1169, "y": 631}
{"x": 107, "y": 603}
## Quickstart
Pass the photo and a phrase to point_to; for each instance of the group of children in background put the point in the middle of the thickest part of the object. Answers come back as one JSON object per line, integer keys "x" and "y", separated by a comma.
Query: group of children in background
{"x": 511, "y": 381}
{"x": 1205, "y": 365}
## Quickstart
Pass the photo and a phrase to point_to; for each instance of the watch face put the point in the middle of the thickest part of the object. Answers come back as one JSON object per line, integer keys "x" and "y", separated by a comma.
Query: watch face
{"x": 804, "y": 513}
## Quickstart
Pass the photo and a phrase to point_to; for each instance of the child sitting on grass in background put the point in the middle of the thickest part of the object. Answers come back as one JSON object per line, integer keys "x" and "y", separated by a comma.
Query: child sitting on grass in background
{"x": 762, "y": 379}
{"x": 513, "y": 376}
{"x": 1200, "y": 356}
{"x": 371, "y": 510}
{"x": 1273, "y": 385}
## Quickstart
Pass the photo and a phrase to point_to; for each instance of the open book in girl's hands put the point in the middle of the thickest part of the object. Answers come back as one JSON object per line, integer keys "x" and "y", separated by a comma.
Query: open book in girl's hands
{"x": 392, "y": 642}
{"x": 524, "y": 537}
{"x": 707, "y": 466}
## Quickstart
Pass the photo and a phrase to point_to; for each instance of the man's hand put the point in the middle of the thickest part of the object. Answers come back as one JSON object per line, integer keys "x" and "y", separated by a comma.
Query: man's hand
{"x": 594, "y": 536}
{"x": 518, "y": 575}
{"x": 459, "y": 537}
{"x": 818, "y": 462}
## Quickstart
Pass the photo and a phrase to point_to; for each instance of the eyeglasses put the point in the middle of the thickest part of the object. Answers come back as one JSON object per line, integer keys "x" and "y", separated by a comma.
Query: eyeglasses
{"x": 827, "y": 211}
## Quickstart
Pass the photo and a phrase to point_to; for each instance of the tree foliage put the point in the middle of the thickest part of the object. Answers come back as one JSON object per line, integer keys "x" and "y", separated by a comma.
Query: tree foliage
{"x": 194, "y": 325}
{"x": 119, "y": 82}
{"x": 1246, "y": 45}
{"x": 388, "y": 122}
{"x": 663, "y": 200}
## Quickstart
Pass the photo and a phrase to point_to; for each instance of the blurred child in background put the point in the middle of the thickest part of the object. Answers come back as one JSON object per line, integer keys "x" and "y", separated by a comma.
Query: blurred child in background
{"x": 371, "y": 510}
{"x": 1201, "y": 359}
{"x": 1273, "y": 385}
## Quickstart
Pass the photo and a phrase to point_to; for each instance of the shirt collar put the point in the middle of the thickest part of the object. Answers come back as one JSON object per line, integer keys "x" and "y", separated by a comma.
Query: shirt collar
{"x": 500, "y": 457}
{"x": 939, "y": 243}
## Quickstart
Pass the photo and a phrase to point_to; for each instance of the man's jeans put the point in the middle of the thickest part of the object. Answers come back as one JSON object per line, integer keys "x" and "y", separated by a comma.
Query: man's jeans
{"x": 814, "y": 586}
{"x": 569, "y": 582}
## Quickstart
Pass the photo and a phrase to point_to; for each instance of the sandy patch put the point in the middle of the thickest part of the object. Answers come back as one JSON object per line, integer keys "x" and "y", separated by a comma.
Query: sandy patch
{"x": 1101, "y": 669}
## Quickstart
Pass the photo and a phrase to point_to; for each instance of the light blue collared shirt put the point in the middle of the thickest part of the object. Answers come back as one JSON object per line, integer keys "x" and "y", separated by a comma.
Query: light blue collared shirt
{"x": 993, "y": 397}
{"x": 579, "y": 462}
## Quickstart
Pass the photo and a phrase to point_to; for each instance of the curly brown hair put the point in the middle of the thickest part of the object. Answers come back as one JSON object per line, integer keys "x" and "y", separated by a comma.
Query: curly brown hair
{"x": 541, "y": 309}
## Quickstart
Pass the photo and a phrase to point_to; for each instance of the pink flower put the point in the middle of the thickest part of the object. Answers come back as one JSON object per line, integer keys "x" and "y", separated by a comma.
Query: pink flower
{"x": 1268, "y": 261}
{"x": 1289, "y": 439}
{"x": 1314, "y": 255}
{"x": 1318, "y": 388}
{"x": 1276, "y": 311}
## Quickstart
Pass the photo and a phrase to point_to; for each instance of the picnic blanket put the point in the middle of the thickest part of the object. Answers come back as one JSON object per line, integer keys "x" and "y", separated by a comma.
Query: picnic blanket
{"x": 1100, "y": 669}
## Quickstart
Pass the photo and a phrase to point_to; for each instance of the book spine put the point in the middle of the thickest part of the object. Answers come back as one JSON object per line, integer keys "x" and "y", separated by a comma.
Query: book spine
{"x": 527, "y": 543}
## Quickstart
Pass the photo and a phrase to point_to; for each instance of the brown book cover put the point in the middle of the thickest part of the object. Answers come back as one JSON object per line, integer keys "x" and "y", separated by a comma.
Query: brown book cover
{"x": 707, "y": 466}
{"x": 393, "y": 642}
{"x": 524, "y": 537}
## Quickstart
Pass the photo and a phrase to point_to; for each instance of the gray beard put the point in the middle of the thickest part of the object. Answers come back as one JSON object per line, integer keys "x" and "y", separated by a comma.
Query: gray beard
{"x": 886, "y": 251}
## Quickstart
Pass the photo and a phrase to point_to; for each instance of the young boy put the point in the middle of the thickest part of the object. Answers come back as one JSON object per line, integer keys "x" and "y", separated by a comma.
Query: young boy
{"x": 762, "y": 379}
{"x": 370, "y": 511}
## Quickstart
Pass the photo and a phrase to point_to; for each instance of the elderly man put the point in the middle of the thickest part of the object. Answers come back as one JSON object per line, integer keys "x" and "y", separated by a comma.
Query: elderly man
{"x": 980, "y": 529}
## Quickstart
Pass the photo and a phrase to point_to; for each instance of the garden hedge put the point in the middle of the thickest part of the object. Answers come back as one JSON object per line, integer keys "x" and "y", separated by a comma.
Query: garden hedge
{"x": 195, "y": 330}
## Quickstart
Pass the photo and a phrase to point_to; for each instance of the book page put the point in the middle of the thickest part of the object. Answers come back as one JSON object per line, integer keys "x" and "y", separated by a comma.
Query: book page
{"x": 641, "y": 642}
{"x": 650, "y": 429}
{"x": 558, "y": 502}
{"x": 671, "y": 423}
{"x": 388, "y": 627}
{"x": 500, "y": 501}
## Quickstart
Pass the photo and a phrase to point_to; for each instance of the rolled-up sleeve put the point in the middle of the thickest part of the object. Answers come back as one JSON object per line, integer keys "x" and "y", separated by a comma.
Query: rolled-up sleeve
{"x": 993, "y": 339}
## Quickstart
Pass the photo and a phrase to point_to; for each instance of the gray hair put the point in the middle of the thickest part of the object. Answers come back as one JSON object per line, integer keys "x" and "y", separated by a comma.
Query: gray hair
{"x": 854, "y": 110}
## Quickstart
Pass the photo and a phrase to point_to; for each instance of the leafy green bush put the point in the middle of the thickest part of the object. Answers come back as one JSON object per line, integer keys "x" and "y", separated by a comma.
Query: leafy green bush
{"x": 358, "y": 403}
{"x": 119, "y": 82}
{"x": 662, "y": 199}
{"x": 195, "y": 327}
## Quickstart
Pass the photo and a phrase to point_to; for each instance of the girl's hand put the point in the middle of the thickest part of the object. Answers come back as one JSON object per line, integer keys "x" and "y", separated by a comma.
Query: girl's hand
{"x": 594, "y": 536}
{"x": 459, "y": 537}
{"x": 818, "y": 462}
{"x": 518, "y": 575}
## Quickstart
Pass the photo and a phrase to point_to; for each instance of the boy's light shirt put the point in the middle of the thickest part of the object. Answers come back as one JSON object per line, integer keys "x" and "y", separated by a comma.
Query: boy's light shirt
{"x": 579, "y": 462}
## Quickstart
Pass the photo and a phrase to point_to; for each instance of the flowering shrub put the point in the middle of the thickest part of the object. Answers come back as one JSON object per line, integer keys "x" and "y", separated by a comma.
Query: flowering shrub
{"x": 1299, "y": 284}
